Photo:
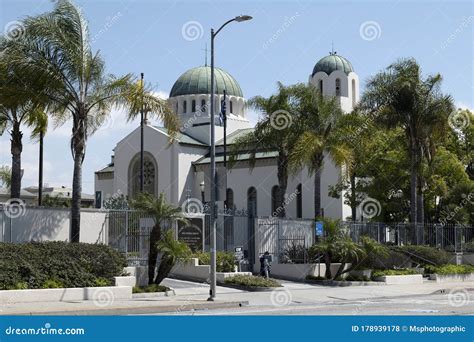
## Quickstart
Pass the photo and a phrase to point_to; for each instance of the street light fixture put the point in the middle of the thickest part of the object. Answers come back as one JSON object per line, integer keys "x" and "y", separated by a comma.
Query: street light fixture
{"x": 212, "y": 221}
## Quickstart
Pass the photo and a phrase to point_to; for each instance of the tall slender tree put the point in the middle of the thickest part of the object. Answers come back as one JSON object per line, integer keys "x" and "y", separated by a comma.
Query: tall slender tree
{"x": 319, "y": 119}
{"x": 56, "y": 48}
{"x": 403, "y": 98}
{"x": 17, "y": 109}
{"x": 276, "y": 130}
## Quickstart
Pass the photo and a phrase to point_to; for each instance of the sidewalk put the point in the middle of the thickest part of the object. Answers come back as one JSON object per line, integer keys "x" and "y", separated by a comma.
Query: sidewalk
{"x": 193, "y": 297}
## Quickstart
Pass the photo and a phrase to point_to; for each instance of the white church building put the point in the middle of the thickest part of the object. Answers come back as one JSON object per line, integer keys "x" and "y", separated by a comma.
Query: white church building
{"x": 179, "y": 169}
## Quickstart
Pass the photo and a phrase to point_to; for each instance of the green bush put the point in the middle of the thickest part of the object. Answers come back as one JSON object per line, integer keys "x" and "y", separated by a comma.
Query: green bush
{"x": 225, "y": 261}
{"x": 39, "y": 264}
{"x": 252, "y": 281}
{"x": 352, "y": 277}
{"x": 52, "y": 284}
{"x": 425, "y": 255}
{"x": 150, "y": 288}
{"x": 380, "y": 273}
{"x": 450, "y": 269}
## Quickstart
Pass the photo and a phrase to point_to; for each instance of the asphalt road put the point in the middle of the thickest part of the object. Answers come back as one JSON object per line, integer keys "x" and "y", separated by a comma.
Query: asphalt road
{"x": 306, "y": 299}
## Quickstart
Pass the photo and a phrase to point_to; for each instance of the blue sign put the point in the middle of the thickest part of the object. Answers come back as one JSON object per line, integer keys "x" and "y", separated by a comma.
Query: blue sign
{"x": 319, "y": 228}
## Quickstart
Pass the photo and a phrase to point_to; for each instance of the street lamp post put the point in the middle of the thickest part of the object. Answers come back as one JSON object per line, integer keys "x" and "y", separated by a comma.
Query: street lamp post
{"x": 212, "y": 291}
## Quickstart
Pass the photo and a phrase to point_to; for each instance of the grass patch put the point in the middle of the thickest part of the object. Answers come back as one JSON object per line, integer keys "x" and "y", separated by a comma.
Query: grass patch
{"x": 149, "y": 289}
{"x": 251, "y": 281}
{"x": 381, "y": 273}
{"x": 450, "y": 269}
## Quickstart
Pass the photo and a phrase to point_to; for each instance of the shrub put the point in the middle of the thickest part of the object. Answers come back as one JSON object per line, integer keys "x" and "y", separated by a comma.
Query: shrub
{"x": 225, "y": 261}
{"x": 425, "y": 255}
{"x": 450, "y": 269}
{"x": 251, "y": 281}
{"x": 380, "y": 273}
{"x": 374, "y": 253}
{"x": 150, "y": 288}
{"x": 58, "y": 264}
{"x": 294, "y": 254}
{"x": 52, "y": 284}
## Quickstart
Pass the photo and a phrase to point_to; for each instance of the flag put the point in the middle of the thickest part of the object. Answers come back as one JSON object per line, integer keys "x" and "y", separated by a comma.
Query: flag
{"x": 222, "y": 114}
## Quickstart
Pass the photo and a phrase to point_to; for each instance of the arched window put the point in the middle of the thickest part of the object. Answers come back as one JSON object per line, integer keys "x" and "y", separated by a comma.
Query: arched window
{"x": 185, "y": 106}
{"x": 193, "y": 106}
{"x": 353, "y": 92}
{"x": 338, "y": 87}
{"x": 150, "y": 175}
{"x": 229, "y": 199}
{"x": 203, "y": 105}
{"x": 252, "y": 202}
{"x": 276, "y": 208}
{"x": 321, "y": 86}
{"x": 299, "y": 201}
{"x": 231, "y": 107}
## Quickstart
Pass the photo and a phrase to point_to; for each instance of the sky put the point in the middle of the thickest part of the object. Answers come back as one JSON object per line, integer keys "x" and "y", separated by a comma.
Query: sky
{"x": 282, "y": 43}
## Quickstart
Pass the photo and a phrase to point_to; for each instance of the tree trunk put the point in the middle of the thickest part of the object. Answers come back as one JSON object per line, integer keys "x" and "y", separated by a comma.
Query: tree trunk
{"x": 282, "y": 174}
{"x": 317, "y": 187}
{"x": 16, "y": 149}
{"x": 327, "y": 262}
{"x": 155, "y": 236}
{"x": 78, "y": 151}
{"x": 166, "y": 265}
{"x": 413, "y": 186}
{"x": 353, "y": 197}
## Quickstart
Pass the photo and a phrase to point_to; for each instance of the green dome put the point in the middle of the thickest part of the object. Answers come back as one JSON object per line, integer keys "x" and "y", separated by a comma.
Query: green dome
{"x": 333, "y": 62}
{"x": 198, "y": 81}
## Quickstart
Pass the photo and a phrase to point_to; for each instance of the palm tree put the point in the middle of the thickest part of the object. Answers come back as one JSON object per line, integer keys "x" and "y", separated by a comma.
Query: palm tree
{"x": 401, "y": 97}
{"x": 319, "y": 119}
{"x": 40, "y": 128}
{"x": 171, "y": 250}
{"x": 6, "y": 176}
{"x": 275, "y": 131}
{"x": 162, "y": 213}
{"x": 56, "y": 49}
{"x": 17, "y": 108}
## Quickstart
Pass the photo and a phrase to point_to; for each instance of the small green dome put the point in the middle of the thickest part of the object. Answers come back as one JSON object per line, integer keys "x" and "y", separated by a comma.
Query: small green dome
{"x": 198, "y": 81}
{"x": 333, "y": 62}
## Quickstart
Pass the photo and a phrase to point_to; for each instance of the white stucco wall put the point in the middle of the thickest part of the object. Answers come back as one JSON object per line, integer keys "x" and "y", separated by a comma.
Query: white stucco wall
{"x": 40, "y": 224}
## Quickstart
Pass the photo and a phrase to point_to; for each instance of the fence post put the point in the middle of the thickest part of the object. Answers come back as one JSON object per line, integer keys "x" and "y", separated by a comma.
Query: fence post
{"x": 126, "y": 232}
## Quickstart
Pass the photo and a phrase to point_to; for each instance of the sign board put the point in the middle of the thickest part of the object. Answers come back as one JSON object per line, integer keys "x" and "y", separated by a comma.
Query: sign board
{"x": 192, "y": 233}
{"x": 319, "y": 228}
{"x": 238, "y": 253}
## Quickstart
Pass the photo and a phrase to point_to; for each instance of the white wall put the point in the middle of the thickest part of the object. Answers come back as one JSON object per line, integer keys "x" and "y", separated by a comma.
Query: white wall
{"x": 39, "y": 224}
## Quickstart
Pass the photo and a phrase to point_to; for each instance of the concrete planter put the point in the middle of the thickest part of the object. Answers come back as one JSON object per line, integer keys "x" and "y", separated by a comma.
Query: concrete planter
{"x": 106, "y": 294}
{"x": 191, "y": 270}
{"x": 401, "y": 279}
{"x": 153, "y": 294}
{"x": 125, "y": 281}
{"x": 140, "y": 273}
{"x": 299, "y": 272}
{"x": 447, "y": 278}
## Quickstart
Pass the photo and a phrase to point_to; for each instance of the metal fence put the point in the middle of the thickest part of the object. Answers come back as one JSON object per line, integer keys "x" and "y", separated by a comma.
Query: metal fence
{"x": 452, "y": 238}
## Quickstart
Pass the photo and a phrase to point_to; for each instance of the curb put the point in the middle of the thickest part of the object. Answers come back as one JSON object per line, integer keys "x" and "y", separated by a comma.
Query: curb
{"x": 169, "y": 293}
{"x": 112, "y": 311}
{"x": 248, "y": 288}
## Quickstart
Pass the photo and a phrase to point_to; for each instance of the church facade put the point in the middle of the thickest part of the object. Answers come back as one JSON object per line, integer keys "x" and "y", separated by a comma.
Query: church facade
{"x": 181, "y": 169}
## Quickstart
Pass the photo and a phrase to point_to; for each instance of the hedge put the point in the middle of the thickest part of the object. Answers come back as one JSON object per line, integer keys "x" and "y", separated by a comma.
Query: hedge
{"x": 426, "y": 254}
{"x": 57, "y": 264}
